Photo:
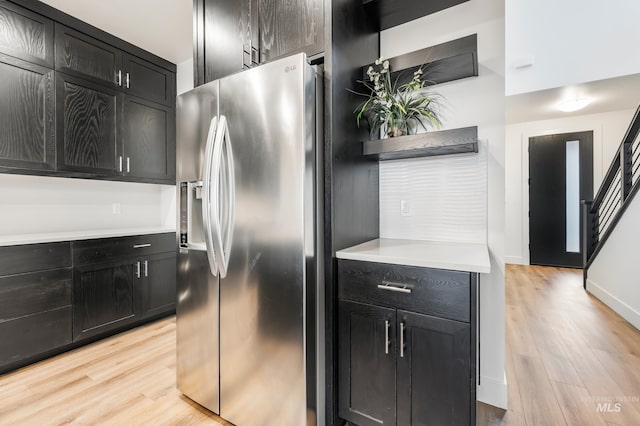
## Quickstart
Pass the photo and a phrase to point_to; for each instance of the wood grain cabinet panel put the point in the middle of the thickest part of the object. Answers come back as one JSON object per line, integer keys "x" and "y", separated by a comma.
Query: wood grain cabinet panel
{"x": 434, "y": 371}
{"x": 104, "y": 297}
{"x": 367, "y": 364}
{"x": 159, "y": 286}
{"x": 84, "y": 56}
{"x": 25, "y": 35}
{"x": 34, "y": 257}
{"x": 149, "y": 140}
{"x": 27, "y": 139}
{"x": 148, "y": 81}
{"x": 88, "y": 137}
{"x": 291, "y": 26}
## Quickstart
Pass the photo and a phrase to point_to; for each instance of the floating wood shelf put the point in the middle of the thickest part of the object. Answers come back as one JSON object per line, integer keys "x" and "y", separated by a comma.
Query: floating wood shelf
{"x": 389, "y": 13}
{"x": 443, "y": 142}
{"x": 443, "y": 62}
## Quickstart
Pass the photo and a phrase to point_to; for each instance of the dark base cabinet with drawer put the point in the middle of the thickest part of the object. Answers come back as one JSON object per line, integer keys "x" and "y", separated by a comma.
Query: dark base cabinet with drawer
{"x": 57, "y": 296}
{"x": 406, "y": 345}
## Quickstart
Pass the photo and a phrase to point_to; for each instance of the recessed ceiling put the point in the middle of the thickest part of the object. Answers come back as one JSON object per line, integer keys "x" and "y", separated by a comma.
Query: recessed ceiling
{"x": 613, "y": 94}
{"x": 163, "y": 27}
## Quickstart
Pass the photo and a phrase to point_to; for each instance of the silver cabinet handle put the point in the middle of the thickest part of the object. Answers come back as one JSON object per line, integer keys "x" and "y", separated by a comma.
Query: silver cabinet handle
{"x": 141, "y": 245}
{"x": 146, "y": 268}
{"x": 138, "y": 269}
{"x": 386, "y": 337}
{"x": 391, "y": 286}
{"x": 120, "y": 163}
{"x": 128, "y": 80}
{"x": 402, "y": 340}
{"x": 119, "y": 78}
{"x": 128, "y": 164}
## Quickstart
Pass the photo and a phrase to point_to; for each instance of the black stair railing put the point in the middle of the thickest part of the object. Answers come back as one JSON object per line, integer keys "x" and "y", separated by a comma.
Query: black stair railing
{"x": 600, "y": 216}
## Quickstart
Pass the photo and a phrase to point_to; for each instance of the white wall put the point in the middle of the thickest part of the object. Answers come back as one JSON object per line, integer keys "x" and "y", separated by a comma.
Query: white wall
{"x": 473, "y": 101}
{"x": 613, "y": 276}
{"x": 184, "y": 76}
{"x": 571, "y": 41}
{"x": 608, "y": 131}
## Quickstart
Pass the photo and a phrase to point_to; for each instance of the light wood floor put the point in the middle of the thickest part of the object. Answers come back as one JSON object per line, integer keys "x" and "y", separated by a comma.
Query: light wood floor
{"x": 565, "y": 350}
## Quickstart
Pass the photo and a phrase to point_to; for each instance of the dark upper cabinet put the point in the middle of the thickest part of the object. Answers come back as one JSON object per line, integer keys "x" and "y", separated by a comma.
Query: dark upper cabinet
{"x": 27, "y": 109}
{"x": 434, "y": 371}
{"x": 84, "y": 56}
{"x": 367, "y": 364}
{"x": 159, "y": 285}
{"x": 88, "y": 137}
{"x": 104, "y": 297}
{"x": 148, "y": 140}
{"x": 146, "y": 80}
{"x": 26, "y": 35}
{"x": 290, "y": 26}
{"x": 233, "y": 35}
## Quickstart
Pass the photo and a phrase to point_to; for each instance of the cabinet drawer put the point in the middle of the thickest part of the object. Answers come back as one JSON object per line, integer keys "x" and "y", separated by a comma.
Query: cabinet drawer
{"x": 27, "y": 294}
{"x": 34, "y": 257}
{"x": 96, "y": 251}
{"x": 442, "y": 293}
{"x": 32, "y": 335}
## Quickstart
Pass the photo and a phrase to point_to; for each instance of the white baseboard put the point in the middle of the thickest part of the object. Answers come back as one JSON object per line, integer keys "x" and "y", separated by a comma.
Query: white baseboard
{"x": 624, "y": 310}
{"x": 493, "y": 392}
{"x": 515, "y": 260}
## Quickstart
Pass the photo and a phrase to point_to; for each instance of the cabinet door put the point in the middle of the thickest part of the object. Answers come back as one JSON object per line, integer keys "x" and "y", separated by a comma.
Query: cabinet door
{"x": 149, "y": 140}
{"x": 159, "y": 286}
{"x": 434, "y": 371}
{"x": 366, "y": 364}
{"x": 290, "y": 26}
{"x": 27, "y": 139}
{"x": 25, "y": 35}
{"x": 221, "y": 29}
{"x": 88, "y": 137}
{"x": 84, "y": 56}
{"x": 104, "y": 297}
{"x": 148, "y": 81}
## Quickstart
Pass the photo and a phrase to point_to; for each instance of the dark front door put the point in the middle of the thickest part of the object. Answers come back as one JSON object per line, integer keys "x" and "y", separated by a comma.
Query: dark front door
{"x": 560, "y": 176}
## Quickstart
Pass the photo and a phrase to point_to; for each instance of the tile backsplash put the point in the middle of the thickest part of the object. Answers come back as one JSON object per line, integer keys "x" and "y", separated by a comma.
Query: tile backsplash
{"x": 441, "y": 198}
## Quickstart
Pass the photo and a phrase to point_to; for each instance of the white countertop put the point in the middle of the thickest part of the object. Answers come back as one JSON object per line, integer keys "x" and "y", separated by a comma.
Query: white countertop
{"x": 468, "y": 257}
{"x": 14, "y": 240}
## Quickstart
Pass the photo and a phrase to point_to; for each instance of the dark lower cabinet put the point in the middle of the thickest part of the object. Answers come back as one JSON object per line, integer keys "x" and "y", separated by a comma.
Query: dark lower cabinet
{"x": 399, "y": 367}
{"x": 27, "y": 139}
{"x": 433, "y": 371}
{"x": 35, "y": 301}
{"x": 58, "y": 296}
{"x": 367, "y": 364}
{"x": 104, "y": 297}
{"x": 159, "y": 285}
{"x": 149, "y": 140}
{"x": 88, "y": 138}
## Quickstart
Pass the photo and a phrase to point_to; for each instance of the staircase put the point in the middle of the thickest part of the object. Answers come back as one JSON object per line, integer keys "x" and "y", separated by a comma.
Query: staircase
{"x": 620, "y": 185}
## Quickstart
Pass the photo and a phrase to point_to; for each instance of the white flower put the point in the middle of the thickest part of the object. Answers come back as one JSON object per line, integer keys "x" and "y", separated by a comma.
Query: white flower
{"x": 378, "y": 61}
{"x": 382, "y": 71}
{"x": 370, "y": 71}
{"x": 418, "y": 72}
{"x": 385, "y": 65}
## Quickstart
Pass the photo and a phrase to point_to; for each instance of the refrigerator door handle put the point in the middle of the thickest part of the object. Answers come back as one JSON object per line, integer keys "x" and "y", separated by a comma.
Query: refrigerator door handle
{"x": 206, "y": 195}
{"x": 231, "y": 194}
{"x": 221, "y": 250}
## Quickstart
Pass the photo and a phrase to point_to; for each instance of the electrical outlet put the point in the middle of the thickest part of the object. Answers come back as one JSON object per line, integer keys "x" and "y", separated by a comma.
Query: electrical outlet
{"x": 405, "y": 208}
{"x": 116, "y": 208}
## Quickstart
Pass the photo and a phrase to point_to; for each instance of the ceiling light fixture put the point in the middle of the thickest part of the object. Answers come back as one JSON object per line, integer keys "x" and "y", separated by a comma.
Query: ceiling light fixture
{"x": 571, "y": 105}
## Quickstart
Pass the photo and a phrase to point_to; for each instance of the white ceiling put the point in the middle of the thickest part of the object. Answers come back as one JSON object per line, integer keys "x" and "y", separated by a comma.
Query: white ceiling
{"x": 613, "y": 94}
{"x": 163, "y": 27}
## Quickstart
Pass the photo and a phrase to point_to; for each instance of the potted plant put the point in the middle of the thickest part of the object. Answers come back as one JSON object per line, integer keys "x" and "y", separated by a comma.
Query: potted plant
{"x": 395, "y": 109}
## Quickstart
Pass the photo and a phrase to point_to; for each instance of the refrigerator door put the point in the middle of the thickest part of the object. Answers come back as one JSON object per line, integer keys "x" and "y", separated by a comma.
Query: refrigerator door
{"x": 264, "y": 350}
{"x": 198, "y": 305}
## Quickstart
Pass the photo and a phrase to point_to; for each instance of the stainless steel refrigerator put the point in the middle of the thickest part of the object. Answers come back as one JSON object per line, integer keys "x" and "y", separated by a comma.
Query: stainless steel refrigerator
{"x": 249, "y": 175}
